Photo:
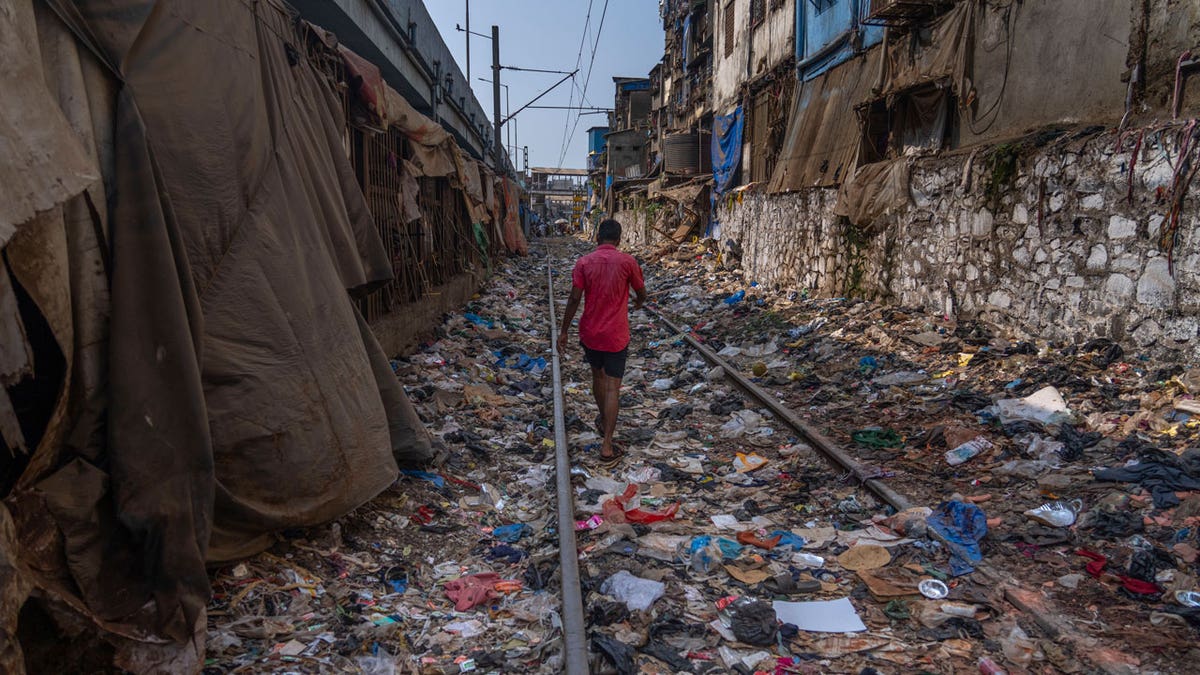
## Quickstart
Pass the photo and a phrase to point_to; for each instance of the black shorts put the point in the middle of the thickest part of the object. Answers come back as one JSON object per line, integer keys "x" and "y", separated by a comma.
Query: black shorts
{"x": 613, "y": 363}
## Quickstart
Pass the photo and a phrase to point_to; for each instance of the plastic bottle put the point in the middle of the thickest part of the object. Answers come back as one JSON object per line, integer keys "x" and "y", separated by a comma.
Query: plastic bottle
{"x": 967, "y": 450}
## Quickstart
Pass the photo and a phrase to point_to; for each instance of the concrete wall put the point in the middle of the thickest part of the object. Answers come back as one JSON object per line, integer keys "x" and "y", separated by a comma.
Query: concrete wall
{"x": 1058, "y": 253}
{"x": 1168, "y": 28}
{"x": 730, "y": 71}
{"x": 1048, "y": 61}
{"x": 404, "y": 43}
{"x": 773, "y": 40}
{"x": 401, "y": 331}
{"x": 625, "y": 150}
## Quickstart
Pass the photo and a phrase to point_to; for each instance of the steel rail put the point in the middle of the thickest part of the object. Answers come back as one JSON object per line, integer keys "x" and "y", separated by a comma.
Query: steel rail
{"x": 818, "y": 440}
{"x": 1043, "y": 611}
{"x": 574, "y": 630}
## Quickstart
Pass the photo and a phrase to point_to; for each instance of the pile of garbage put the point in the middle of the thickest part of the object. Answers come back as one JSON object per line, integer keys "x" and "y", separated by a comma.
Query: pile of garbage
{"x": 1082, "y": 458}
{"x": 454, "y": 568}
{"x": 1054, "y": 476}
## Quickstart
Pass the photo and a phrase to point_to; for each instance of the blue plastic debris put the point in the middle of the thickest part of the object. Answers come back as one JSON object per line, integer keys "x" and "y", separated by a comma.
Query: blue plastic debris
{"x": 479, "y": 320}
{"x": 789, "y": 539}
{"x": 729, "y": 548}
{"x": 735, "y": 298}
{"x": 506, "y": 553}
{"x": 437, "y": 480}
{"x": 521, "y": 362}
{"x": 963, "y": 525}
{"x": 511, "y": 533}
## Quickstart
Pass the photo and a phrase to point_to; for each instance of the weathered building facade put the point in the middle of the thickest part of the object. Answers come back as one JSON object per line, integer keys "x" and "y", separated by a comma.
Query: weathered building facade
{"x": 1029, "y": 162}
{"x": 216, "y": 220}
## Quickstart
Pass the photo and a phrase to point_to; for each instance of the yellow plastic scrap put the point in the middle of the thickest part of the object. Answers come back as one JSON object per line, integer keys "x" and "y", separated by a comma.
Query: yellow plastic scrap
{"x": 964, "y": 359}
{"x": 745, "y": 463}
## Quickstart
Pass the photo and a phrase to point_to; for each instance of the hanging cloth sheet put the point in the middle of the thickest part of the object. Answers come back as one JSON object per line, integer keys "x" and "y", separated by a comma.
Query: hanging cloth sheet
{"x": 726, "y": 149}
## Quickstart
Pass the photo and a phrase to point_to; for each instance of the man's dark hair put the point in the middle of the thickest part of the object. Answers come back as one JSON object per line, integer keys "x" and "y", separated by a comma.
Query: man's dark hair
{"x": 609, "y": 230}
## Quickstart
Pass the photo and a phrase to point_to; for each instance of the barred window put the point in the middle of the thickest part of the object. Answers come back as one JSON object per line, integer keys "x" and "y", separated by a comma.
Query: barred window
{"x": 729, "y": 14}
{"x": 758, "y": 11}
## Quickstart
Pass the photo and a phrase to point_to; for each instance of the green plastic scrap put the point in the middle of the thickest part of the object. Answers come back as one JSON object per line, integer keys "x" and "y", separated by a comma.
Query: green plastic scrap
{"x": 877, "y": 437}
{"x": 897, "y": 609}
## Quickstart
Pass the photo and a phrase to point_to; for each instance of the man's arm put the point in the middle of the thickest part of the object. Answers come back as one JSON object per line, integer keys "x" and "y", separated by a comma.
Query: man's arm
{"x": 638, "y": 283}
{"x": 569, "y": 316}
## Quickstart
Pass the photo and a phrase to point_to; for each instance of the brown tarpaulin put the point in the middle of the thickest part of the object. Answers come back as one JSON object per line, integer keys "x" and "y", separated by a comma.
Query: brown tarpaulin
{"x": 42, "y": 163}
{"x": 514, "y": 236}
{"x": 824, "y": 136}
{"x": 875, "y": 190}
{"x": 947, "y": 56}
{"x": 419, "y": 129}
{"x": 245, "y": 393}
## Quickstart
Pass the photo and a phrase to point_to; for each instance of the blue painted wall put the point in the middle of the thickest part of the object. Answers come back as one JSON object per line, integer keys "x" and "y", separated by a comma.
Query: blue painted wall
{"x": 596, "y": 142}
{"x": 823, "y": 30}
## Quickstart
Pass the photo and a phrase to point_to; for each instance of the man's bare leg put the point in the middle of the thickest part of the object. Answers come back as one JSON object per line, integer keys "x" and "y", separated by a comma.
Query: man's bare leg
{"x": 598, "y": 384}
{"x": 609, "y": 408}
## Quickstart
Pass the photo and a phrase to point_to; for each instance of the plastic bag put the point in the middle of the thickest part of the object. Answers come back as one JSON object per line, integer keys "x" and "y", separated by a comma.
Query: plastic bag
{"x": 741, "y": 423}
{"x": 637, "y": 593}
{"x": 381, "y": 663}
{"x": 1044, "y": 406}
{"x": 614, "y": 510}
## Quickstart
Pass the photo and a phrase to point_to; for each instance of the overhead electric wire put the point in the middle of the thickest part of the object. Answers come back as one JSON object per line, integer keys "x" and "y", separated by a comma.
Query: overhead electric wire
{"x": 571, "y": 99}
{"x": 586, "y": 80}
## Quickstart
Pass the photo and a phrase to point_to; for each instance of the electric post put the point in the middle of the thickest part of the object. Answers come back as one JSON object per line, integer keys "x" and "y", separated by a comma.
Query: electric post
{"x": 498, "y": 141}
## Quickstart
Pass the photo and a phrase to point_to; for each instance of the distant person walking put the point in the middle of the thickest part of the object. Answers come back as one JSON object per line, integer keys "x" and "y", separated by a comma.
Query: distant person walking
{"x": 602, "y": 279}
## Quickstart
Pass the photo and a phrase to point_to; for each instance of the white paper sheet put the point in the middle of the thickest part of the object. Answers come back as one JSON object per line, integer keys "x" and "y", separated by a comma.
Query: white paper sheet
{"x": 820, "y": 616}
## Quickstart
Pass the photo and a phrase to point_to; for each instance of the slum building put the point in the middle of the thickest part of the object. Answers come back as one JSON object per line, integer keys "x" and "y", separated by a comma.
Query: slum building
{"x": 1022, "y": 162}
{"x": 208, "y": 215}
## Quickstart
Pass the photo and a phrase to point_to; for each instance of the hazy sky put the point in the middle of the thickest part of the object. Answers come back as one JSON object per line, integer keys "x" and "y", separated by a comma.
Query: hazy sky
{"x": 547, "y": 34}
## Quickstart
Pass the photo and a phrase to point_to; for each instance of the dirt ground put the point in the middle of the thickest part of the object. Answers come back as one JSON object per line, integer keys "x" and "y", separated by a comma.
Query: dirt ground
{"x": 721, "y": 515}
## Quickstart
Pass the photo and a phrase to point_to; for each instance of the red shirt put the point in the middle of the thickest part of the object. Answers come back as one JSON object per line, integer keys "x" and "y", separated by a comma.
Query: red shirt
{"x": 605, "y": 276}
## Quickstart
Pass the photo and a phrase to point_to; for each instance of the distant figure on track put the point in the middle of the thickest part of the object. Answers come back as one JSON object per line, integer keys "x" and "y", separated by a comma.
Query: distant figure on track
{"x": 603, "y": 279}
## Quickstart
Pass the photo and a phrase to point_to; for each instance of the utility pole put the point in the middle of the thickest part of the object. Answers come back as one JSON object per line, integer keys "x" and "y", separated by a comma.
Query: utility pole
{"x": 496, "y": 138}
{"x": 508, "y": 111}
{"x": 468, "y": 36}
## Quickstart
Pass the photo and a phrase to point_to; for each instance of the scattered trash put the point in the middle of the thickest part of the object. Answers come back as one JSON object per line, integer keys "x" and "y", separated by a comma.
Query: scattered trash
{"x": 637, "y": 593}
{"x": 934, "y": 589}
{"x": 962, "y": 525}
{"x": 821, "y": 616}
{"x": 752, "y": 621}
{"x": 744, "y": 463}
{"x": 968, "y": 450}
{"x": 1057, "y": 513}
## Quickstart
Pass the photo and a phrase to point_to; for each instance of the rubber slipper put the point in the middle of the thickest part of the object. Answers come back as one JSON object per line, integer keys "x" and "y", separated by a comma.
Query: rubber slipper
{"x": 614, "y": 459}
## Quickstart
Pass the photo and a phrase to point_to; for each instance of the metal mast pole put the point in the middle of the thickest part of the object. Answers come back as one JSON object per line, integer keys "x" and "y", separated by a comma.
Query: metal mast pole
{"x": 498, "y": 141}
{"x": 467, "y": 33}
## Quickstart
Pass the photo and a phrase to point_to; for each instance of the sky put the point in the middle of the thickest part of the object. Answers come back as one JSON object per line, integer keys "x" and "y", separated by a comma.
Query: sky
{"x": 548, "y": 34}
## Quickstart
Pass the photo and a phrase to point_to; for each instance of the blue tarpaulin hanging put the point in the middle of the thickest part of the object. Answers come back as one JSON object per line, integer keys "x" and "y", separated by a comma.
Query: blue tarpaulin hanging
{"x": 726, "y": 149}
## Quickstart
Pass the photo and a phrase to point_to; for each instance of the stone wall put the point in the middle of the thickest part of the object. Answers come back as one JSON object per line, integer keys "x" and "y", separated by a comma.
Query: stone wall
{"x": 1053, "y": 248}
{"x": 635, "y": 229}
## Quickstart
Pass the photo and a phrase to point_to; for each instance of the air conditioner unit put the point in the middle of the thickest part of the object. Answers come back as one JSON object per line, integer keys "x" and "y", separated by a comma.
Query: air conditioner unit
{"x": 904, "y": 12}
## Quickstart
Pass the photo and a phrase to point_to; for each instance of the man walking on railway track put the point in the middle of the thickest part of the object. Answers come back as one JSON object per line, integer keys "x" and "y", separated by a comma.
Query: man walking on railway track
{"x": 602, "y": 279}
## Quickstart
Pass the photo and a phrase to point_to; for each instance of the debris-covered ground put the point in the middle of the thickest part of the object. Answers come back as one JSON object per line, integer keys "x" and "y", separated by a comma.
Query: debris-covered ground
{"x": 724, "y": 543}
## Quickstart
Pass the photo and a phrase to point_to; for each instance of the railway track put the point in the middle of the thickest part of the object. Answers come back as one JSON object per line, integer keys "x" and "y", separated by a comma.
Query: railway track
{"x": 825, "y": 462}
